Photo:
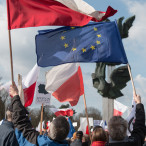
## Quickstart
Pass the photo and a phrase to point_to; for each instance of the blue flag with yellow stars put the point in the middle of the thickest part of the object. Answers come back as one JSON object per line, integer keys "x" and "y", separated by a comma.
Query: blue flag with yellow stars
{"x": 95, "y": 42}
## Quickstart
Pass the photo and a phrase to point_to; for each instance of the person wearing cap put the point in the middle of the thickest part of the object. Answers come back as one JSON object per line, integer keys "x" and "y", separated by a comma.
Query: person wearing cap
{"x": 78, "y": 140}
{"x": 7, "y": 132}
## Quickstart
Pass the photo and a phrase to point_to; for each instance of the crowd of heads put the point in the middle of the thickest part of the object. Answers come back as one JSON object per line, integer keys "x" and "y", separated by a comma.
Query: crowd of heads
{"x": 117, "y": 128}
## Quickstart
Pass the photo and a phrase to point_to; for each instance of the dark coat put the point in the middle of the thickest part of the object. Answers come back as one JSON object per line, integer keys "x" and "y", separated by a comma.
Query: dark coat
{"x": 138, "y": 133}
{"x": 76, "y": 142}
{"x": 7, "y": 134}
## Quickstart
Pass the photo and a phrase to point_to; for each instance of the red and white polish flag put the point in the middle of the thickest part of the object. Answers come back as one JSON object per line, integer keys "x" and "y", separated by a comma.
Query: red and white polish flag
{"x": 28, "y": 85}
{"x": 119, "y": 108}
{"x": 65, "y": 82}
{"x": 32, "y": 13}
{"x": 62, "y": 112}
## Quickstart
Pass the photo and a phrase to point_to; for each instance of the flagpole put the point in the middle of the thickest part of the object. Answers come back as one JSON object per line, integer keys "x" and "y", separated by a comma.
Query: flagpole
{"x": 11, "y": 57}
{"x": 41, "y": 119}
{"x": 87, "y": 115}
{"x": 129, "y": 69}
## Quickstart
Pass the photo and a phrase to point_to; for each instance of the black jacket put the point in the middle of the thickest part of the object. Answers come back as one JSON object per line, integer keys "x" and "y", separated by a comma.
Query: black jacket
{"x": 76, "y": 142}
{"x": 138, "y": 133}
{"x": 7, "y": 134}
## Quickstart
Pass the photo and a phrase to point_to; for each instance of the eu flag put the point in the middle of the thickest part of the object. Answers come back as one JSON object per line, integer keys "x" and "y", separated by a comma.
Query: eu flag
{"x": 95, "y": 42}
{"x": 71, "y": 130}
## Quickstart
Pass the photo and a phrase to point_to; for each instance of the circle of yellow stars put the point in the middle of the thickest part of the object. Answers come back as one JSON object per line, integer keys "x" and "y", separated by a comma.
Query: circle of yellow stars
{"x": 83, "y": 49}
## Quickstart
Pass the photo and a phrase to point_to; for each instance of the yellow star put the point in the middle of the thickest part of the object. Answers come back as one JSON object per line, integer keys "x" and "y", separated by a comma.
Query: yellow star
{"x": 84, "y": 50}
{"x": 92, "y": 47}
{"x": 62, "y": 37}
{"x": 99, "y": 35}
{"x": 98, "y": 42}
{"x": 72, "y": 27}
{"x": 74, "y": 49}
{"x": 95, "y": 29}
{"x": 65, "y": 45}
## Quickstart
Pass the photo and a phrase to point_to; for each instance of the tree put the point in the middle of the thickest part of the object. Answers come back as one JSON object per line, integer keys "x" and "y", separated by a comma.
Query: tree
{"x": 92, "y": 112}
{"x": 3, "y": 100}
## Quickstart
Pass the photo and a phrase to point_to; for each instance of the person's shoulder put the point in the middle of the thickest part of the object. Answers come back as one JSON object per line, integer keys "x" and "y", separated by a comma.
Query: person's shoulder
{"x": 45, "y": 140}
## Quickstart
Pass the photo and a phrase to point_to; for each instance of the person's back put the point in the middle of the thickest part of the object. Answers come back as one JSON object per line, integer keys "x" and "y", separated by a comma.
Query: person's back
{"x": 7, "y": 133}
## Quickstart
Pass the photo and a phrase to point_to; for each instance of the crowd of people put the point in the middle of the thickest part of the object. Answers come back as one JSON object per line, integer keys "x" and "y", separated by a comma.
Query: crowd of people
{"x": 18, "y": 130}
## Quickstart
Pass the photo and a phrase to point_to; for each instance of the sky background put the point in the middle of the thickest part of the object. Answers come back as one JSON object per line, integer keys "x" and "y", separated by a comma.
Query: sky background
{"x": 24, "y": 56}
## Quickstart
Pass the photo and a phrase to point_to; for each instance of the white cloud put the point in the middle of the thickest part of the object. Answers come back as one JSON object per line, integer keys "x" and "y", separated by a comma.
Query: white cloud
{"x": 137, "y": 33}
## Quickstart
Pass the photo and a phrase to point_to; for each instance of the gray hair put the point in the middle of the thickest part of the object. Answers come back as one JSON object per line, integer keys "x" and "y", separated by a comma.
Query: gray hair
{"x": 117, "y": 127}
{"x": 59, "y": 129}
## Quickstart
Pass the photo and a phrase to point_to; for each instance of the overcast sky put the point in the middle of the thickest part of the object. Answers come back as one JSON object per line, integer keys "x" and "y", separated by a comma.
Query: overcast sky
{"x": 24, "y": 56}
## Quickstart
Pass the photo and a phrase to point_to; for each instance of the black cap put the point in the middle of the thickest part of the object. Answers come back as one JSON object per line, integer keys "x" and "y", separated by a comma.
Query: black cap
{"x": 79, "y": 133}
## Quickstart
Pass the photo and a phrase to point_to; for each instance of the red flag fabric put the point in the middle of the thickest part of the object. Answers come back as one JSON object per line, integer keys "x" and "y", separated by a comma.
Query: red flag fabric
{"x": 119, "y": 108}
{"x": 65, "y": 82}
{"x": 28, "y": 85}
{"x": 87, "y": 130}
{"x": 32, "y": 13}
{"x": 62, "y": 112}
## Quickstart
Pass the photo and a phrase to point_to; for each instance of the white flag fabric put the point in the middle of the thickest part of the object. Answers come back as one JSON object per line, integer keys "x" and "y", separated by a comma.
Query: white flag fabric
{"x": 119, "y": 108}
{"x": 83, "y": 124}
{"x": 84, "y": 8}
{"x": 131, "y": 118}
{"x": 28, "y": 85}
{"x": 65, "y": 82}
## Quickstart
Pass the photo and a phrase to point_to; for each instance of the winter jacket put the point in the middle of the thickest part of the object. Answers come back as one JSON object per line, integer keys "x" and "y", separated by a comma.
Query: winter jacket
{"x": 138, "y": 133}
{"x": 7, "y": 134}
{"x": 76, "y": 142}
{"x": 26, "y": 135}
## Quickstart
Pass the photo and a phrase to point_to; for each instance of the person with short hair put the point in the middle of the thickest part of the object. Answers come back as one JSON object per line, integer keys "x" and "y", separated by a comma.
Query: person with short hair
{"x": 7, "y": 133}
{"x": 117, "y": 128}
{"x": 99, "y": 137}
{"x": 27, "y": 135}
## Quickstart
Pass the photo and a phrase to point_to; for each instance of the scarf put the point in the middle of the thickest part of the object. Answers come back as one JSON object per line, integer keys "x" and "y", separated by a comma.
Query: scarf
{"x": 98, "y": 143}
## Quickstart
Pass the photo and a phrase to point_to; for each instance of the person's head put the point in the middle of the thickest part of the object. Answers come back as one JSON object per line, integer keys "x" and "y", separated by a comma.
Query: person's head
{"x": 99, "y": 134}
{"x": 9, "y": 113}
{"x": 117, "y": 127}
{"x": 79, "y": 135}
{"x": 59, "y": 129}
